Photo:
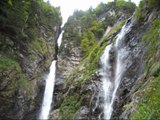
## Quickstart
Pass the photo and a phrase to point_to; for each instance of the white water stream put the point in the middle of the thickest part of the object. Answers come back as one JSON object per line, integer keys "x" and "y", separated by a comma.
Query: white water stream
{"x": 110, "y": 82}
{"x": 59, "y": 41}
{"x": 107, "y": 83}
{"x": 48, "y": 94}
{"x": 49, "y": 87}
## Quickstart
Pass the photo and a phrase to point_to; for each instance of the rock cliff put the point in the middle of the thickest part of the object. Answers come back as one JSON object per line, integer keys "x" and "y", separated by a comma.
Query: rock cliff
{"x": 28, "y": 43}
{"x": 80, "y": 94}
{"x": 86, "y": 34}
{"x": 28, "y": 34}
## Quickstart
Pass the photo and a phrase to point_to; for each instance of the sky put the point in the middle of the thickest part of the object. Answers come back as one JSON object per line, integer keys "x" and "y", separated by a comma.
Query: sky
{"x": 68, "y": 6}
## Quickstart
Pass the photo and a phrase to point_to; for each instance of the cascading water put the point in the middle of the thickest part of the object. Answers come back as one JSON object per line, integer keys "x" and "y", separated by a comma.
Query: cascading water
{"x": 48, "y": 94}
{"x": 59, "y": 41}
{"x": 111, "y": 81}
{"x": 107, "y": 83}
{"x": 49, "y": 88}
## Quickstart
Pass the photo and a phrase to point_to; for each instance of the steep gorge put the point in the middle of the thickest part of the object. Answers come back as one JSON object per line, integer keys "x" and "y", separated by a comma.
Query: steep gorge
{"x": 28, "y": 34}
{"x": 108, "y": 63}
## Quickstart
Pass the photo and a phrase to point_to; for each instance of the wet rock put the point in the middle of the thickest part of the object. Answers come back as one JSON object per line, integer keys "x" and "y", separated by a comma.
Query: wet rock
{"x": 134, "y": 68}
{"x": 82, "y": 113}
{"x": 56, "y": 114}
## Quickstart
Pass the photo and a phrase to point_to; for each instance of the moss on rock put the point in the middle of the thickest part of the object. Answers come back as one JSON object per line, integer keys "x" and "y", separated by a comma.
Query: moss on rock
{"x": 148, "y": 106}
{"x": 69, "y": 106}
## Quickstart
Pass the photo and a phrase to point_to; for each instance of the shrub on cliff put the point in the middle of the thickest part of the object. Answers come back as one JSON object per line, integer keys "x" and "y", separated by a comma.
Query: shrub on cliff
{"x": 153, "y": 3}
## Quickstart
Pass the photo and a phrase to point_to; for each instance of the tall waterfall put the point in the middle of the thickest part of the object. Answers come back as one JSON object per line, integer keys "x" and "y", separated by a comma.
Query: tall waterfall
{"x": 107, "y": 83}
{"x": 111, "y": 81}
{"x": 48, "y": 94}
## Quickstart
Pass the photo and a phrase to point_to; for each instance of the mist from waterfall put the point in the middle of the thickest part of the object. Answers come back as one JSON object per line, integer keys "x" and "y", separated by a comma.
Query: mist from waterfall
{"x": 48, "y": 94}
{"x": 112, "y": 77}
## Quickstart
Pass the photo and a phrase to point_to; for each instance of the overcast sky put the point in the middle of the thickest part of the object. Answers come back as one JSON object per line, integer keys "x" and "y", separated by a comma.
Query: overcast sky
{"x": 68, "y": 6}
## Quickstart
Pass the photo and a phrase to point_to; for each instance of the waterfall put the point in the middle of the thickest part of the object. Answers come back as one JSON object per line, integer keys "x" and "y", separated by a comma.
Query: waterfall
{"x": 107, "y": 83}
{"x": 48, "y": 94}
{"x": 49, "y": 88}
{"x": 59, "y": 41}
{"x": 111, "y": 81}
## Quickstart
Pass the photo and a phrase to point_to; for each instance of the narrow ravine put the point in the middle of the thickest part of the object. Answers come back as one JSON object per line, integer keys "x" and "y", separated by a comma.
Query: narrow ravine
{"x": 49, "y": 87}
{"x": 111, "y": 77}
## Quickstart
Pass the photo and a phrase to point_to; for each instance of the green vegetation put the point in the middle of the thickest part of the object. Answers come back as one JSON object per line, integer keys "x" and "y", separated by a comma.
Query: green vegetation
{"x": 11, "y": 69}
{"x": 153, "y": 3}
{"x": 13, "y": 17}
{"x": 148, "y": 106}
{"x": 91, "y": 61}
{"x": 69, "y": 106}
{"x": 155, "y": 69}
{"x": 117, "y": 28}
{"x": 92, "y": 47}
{"x": 140, "y": 11}
{"x": 149, "y": 4}
{"x": 139, "y": 15}
{"x": 153, "y": 38}
{"x": 8, "y": 62}
{"x": 85, "y": 28}
{"x": 80, "y": 76}
{"x": 20, "y": 20}
{"x": 109, "y": 20}
{"x": 40, "y": 46}
{"x": 26, "y": 35}
{"x": 124, "y": 6}
{"x": 25, "y": 27}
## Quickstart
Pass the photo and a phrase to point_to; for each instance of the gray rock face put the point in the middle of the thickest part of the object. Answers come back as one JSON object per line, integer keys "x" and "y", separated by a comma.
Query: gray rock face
{"x": 135, "y": 63}
{"x": 134, "y": 69}
{"x": 93, "y": 100}
{"x": 82, "y": 113}
{"x": 22, "y": 100}
{"x": 92, "y": 104}
{"x": 58, "y": 91}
